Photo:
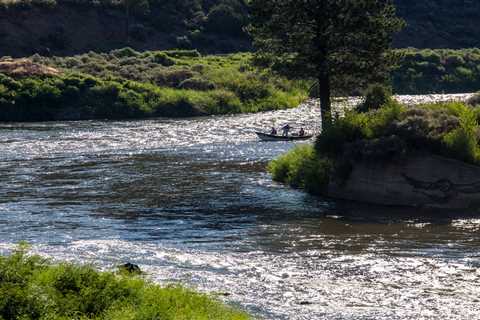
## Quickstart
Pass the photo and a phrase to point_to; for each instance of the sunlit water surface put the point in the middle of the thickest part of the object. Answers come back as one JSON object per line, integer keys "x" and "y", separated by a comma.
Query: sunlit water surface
{"x": 190, "y": 202}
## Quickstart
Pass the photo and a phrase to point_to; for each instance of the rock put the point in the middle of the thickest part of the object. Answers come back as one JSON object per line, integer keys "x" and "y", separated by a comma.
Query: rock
{"x": 224, "y": 294}
{"x": 130, "y": 268}
{"x": 426, "y": 181}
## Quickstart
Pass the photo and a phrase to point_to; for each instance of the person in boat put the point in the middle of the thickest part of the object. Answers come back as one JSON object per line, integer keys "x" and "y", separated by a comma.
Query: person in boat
{"x": 273, "y": 132}
{"x": 301, "y": 133}
{"x": 286, "y": 128}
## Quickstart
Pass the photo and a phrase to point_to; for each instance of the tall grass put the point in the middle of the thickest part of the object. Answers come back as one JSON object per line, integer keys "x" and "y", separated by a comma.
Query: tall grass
{"x": 31, "y": 288}
{"x": 302, "y": 168}
{"x": 129, "y": 84}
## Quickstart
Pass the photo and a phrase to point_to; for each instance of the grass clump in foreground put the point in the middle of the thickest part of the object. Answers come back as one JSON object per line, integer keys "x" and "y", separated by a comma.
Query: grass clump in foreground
{"x": 387, "y": 134}
{"x": 128, "y": 84}
{"x": 32, "y": 288}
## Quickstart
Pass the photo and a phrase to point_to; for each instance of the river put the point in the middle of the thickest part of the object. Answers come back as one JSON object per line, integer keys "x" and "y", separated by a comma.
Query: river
{"x": 190, "y": 202}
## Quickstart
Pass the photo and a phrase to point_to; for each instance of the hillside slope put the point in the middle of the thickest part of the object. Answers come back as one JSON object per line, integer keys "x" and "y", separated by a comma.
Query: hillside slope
{"x": 439, "y": 23}
{"x": 67, "y": 27}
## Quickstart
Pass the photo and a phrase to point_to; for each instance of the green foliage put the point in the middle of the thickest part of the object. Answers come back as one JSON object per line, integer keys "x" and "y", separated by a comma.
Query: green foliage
{"x": 463, "y": 141}
{"x": 227, "y": 18}
{"x": 376, "y": 96}
{"x": 437, "y": 71}
{"x": 449, "y": 129}
{"x": 301, "y": 168}
{"x": 127, "y": 84}
{"x": 163, "y": 59}
{"x": 473, "y": 101}
{"x": 390, "y": 133}
{"x": 31, "y": 288}
{"x": 342, "y": 44}
{"x": 196, "y": 84}
{"x": 124, "y": 52}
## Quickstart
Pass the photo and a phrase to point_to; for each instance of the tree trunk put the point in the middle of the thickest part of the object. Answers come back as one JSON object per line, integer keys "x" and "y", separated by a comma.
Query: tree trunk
{"x": 325, "y": 102}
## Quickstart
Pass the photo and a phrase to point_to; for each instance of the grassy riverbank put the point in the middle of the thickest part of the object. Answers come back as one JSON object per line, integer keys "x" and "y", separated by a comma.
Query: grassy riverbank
{"x": 387, "y": 134}
{"x": 128, "y": 84}
{"x": 125, "y": 84}
{"x": 32, "y": 288}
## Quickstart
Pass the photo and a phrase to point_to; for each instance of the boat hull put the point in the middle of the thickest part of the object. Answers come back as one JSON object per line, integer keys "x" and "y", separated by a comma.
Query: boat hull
{"x": 271, "y": 137}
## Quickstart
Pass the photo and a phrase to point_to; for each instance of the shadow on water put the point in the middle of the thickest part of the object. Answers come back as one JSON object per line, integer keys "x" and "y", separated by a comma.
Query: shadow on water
{"x": 190, "y": 201}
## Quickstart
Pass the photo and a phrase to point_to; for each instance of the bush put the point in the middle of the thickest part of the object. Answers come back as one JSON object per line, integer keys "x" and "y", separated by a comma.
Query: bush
{"x": 196, "y": 84}
{"x": 390, "y": 133}
{"x": 462, "y": 142}
{"x": 163, "y": 59}
{"x": 125, "y": 52}
{"x": 127, "y": 84}
{"x": 173, "y": 78}
{"x": 437, "y": 71}
{"x": 223, "y": 18}
{"x": 376, "y": 96}
{"x": 179, "y": 54}
{"x": 474, "y": 100}
{"x": 301, "y": 168}
{"x": 32, "y": 288}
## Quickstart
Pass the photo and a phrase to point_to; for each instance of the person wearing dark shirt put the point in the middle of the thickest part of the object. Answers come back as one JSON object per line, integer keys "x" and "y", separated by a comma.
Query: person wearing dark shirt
{"x": 286, "y": 128}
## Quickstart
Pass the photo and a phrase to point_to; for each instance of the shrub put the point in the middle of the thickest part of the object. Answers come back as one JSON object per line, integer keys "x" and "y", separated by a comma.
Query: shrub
{"x": 163, "y": 59}
{"x": 173, "y": 78}
{"x": 32, "y": 288}
{"x": 301, "y": 168}
{"x": 125, "y": 52}
{"x": 462, "y": 143}
{"x": 125, "y": 84}
{"x": 437, "y": 71}
{"x": 183, "y": 53}
{"x": 376, "y": 96}
{"x": 221, "y": 102}
{"x": 474, "y": 100}
{"x": 196, "y": 84}
{"x": 225, "y": 19}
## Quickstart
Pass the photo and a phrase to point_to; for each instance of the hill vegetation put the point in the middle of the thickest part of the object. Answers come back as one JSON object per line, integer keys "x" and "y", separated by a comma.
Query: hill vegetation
{"x": 68, "y": 27}
{"x": 439, "y": 24}
{"x": 437, "y": 71}
{"x": 127, "y": 84}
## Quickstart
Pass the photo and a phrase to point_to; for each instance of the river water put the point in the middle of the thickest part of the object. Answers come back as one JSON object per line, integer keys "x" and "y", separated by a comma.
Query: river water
{"x": 190, "y": 202}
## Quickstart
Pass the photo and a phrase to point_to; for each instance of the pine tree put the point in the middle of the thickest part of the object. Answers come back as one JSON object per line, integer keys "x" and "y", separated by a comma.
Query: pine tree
{"x": 343, "y": 44}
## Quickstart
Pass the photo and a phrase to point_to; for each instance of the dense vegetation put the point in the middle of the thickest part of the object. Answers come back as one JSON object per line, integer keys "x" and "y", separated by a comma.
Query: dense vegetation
{"x": 67, "y": 27}
{"x": 437, "y": 71}
{"x": 128, "y": 84}
{"x": 31, "y": 288}
{"x": 389, "y": 133}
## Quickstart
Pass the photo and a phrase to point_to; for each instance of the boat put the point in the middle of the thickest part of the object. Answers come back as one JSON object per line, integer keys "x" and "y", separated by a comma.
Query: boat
{"x": 273, "y": 137}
